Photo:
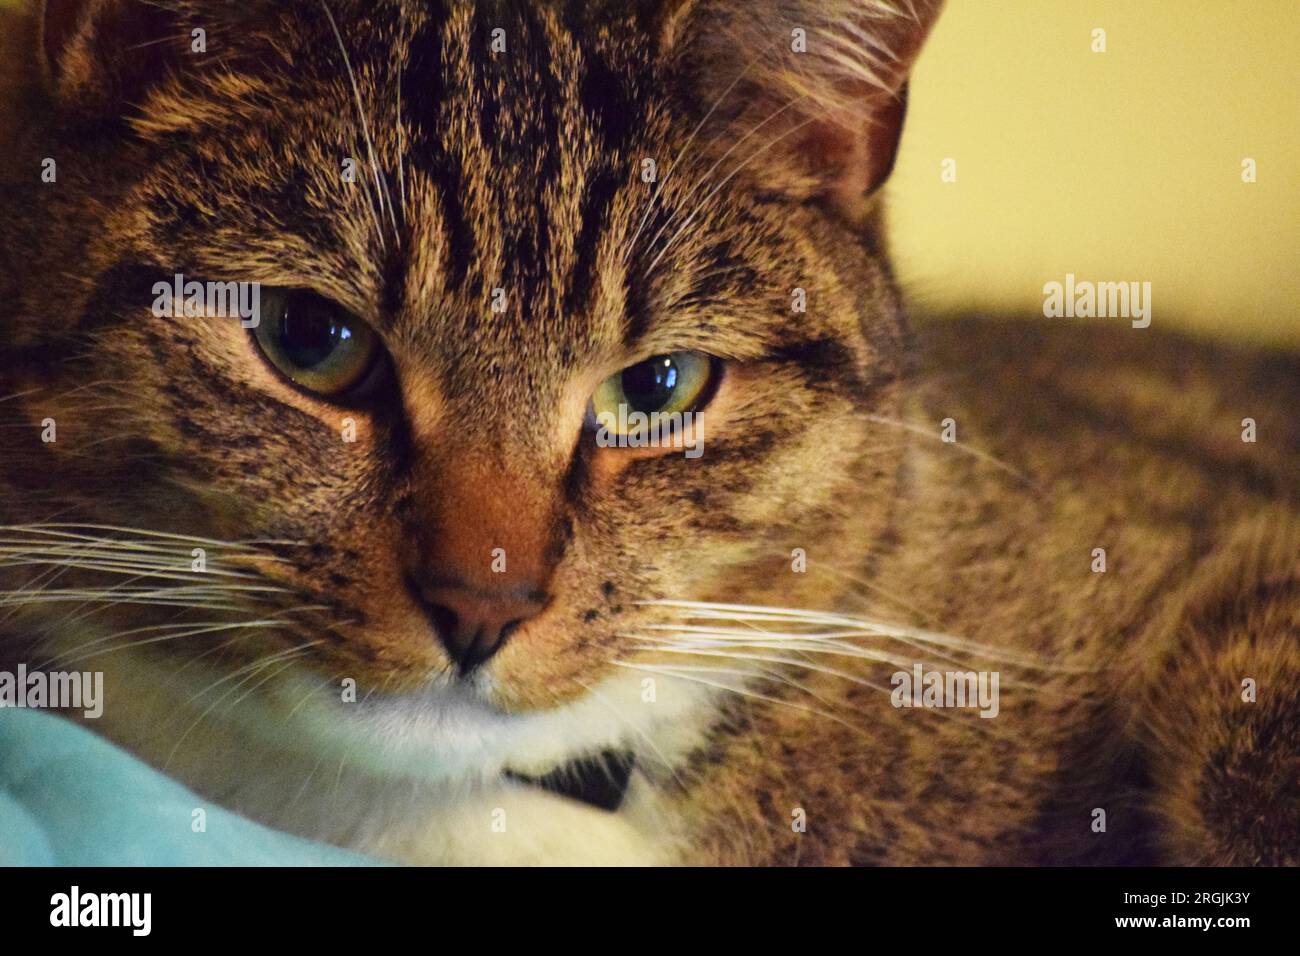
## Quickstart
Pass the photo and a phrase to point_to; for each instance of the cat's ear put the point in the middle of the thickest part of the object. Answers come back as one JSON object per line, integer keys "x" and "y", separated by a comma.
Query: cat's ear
{"x": 816, "y": 89}
{"x": 99, "y": 56}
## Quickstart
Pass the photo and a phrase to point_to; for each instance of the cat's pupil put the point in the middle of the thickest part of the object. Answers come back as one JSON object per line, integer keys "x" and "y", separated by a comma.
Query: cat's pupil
{"x": 649, "y": 385}
{"x": 310, "y": 331}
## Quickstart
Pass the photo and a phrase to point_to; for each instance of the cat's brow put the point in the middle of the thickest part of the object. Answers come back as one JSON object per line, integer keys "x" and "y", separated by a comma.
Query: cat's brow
{"x": 486, "y": 170}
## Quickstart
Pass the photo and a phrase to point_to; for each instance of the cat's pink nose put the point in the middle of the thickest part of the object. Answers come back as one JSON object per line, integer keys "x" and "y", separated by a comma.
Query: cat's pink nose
{"x": 481, "y": 547}
{"x": 473, "y": 623}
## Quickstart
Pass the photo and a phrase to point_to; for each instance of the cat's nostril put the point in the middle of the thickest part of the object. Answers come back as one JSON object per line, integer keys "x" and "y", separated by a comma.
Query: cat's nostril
{"x": 443, "y": 619}
{"x": 472, "y": 626}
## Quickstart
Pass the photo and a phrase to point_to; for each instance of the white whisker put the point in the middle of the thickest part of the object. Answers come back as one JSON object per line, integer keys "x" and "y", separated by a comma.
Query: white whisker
{"x": 380, "y": 189}
{"x": 691, "y": 674}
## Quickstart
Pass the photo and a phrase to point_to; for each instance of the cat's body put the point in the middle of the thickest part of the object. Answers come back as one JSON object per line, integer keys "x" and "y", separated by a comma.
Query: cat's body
{"x": 826, "y": 484}
{"x": 1120, "y": 442}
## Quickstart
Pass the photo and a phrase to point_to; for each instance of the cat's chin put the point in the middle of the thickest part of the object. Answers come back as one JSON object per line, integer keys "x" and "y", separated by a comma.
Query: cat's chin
{"x": 270, "y": 756}
{"x": 452, "y": 732}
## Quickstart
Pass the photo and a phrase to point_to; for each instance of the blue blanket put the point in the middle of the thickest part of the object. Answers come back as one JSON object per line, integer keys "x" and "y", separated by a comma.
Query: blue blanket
{"x": 67, "y": 797}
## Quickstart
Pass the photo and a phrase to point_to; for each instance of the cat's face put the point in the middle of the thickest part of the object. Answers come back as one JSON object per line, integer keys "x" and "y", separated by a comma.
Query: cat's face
{"x": 481, "y": 223}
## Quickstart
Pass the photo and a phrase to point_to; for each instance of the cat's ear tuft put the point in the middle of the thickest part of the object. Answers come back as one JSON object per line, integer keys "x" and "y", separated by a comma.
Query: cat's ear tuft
{"x": 815, "y": 88}
{"x": 98, "y": 56}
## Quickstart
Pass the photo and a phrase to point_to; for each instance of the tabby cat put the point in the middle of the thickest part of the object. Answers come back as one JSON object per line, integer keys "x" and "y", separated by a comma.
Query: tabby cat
{"x": 374, "y": 568}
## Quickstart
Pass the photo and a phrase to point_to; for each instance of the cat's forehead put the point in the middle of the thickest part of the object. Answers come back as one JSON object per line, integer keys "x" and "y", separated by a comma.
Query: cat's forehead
{"x": 519, "y": 142}
{"x": 510, "y": 145}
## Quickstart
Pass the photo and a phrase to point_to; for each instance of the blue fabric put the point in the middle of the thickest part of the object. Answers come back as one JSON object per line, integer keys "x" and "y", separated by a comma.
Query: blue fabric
{"x": 70, "y": 798}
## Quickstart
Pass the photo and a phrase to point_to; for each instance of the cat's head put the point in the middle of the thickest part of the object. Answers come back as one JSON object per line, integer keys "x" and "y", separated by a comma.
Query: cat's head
{"x": 474, "y": 228}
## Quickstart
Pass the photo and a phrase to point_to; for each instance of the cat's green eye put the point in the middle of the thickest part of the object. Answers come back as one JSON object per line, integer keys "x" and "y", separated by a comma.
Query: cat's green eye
{"x": 316, "y": 344}
{"x": 675, "y": 382}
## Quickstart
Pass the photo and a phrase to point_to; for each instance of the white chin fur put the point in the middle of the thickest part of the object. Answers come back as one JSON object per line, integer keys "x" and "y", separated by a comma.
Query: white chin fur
{"x": 424, "y": 777}
{"x": 450, "y": 733}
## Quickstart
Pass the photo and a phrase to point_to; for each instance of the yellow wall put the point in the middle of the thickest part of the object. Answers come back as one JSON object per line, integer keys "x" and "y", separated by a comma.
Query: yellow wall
{"x": 1124, "y": 165}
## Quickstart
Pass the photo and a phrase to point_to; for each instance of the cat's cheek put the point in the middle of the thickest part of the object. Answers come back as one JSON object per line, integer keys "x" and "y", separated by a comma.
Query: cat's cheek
{"x": 393, "y": 654}
{"x": 608, "y": 464}
{"x": 547, "y": 663}
{"x": 352, "y": 428}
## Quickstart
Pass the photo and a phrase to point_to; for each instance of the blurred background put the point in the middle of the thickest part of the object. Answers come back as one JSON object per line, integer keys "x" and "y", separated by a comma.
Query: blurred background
{"x": 1123, "y": 165}
{"x": 1117, "y": 166}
